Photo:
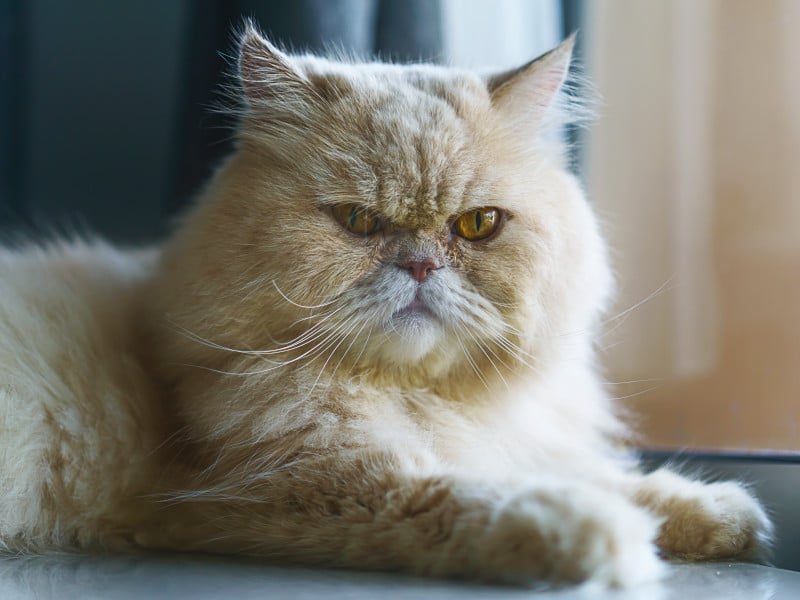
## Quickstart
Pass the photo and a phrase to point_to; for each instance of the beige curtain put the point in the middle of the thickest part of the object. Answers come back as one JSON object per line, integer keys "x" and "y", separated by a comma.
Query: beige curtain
{"x": 694, "y": 166}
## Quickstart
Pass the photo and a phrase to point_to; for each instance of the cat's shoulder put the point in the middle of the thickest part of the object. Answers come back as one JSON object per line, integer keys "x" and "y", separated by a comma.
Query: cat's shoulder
{"x": 65, "y": 287}
{"x": 28, "y": 263}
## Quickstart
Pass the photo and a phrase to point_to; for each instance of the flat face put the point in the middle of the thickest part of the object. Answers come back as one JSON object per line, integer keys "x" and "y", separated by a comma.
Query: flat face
{"x": 402, "y": 158}
{"x": 404, "y": 219}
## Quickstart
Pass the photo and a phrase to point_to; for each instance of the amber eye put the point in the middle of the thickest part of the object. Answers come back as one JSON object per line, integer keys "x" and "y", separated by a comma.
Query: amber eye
{"x": 477, "y": 224}
{"x": 356, "y": 219}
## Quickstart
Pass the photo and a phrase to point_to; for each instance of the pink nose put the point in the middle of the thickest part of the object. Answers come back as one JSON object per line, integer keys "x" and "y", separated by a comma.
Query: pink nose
{"x": 419, "y": 269}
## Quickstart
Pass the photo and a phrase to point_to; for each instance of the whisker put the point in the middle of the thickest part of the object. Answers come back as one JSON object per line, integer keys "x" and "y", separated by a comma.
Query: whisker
{"x": 328, "y": 340}
{"x": 314, "y": 316}
{"x": 650, "y": 380}
{"x": 293, "y": 303}
{"x": 303, "y": 338}
{"x": 620, "y": 317}
{"x": 346, "y": 350}
{"x": 491, "y": 362}
{"x": 470, "y": 360}
{"x": 661, "y": 289}
{"x": 518, "y": 353}
{"x": 633, "y": 395}
{"x": 306, "y": 337}
{"x": 510, "y": 329}
{"x": 366, "y": 342}
{"x": 330, "y": 356}
{"x": 514, "y": 305}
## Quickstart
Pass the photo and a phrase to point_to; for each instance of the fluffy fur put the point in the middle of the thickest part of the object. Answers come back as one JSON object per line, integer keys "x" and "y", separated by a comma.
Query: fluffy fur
{"x": 263, "y": 385}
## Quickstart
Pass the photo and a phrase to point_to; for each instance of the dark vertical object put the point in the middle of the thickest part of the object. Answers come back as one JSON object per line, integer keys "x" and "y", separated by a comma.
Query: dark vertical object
{"x": 572, "y": 15}
{"x": 409, "y": 30}
{"x": 101, "y": 97}
{"x": 202, "y": 136}
{"x": 572, "y": 19}
{"x": 12, "y": 113}
{"x": 316, "y": 25}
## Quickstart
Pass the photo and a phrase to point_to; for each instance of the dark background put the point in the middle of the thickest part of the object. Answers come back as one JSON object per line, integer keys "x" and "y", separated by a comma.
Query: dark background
{"x": 104, "y": 120}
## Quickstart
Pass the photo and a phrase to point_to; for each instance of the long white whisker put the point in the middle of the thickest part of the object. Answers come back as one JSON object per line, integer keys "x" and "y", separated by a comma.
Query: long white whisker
{"x": 470, "y": 360}
{"x": 293, "y": 303}
{"x": 314, "y": 316}
{"x": 662, "y": 288}
{"x": 347, "y": 350}
{"x": 328, "y": 340}
{"x": 650, "y": 380}
{"x": 364, "y": 347}
{"x": 491, "y": 362}
{"x": 311, "y": 333}
{"x": 517, "y": 352}
{"x": 622, "y": 316}
{"x": 330, "y": 356}
{"x": 633, "y": 395}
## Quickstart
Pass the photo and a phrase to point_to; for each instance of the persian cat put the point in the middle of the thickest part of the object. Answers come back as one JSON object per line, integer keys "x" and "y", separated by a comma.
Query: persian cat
{"x": 369, "y": 344}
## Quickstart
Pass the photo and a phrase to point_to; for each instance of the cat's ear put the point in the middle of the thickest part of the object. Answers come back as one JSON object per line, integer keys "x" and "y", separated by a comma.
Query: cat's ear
{"x": 528, "y": 93}
{"x": 265, "y": 72}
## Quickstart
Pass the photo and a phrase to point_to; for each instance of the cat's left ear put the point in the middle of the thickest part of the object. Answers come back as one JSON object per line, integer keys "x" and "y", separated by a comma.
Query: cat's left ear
{"x": 527, "y": 94}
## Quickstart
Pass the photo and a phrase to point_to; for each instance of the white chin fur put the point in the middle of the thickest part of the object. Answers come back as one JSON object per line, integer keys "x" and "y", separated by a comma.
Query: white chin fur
{"x": 410, "y": 338}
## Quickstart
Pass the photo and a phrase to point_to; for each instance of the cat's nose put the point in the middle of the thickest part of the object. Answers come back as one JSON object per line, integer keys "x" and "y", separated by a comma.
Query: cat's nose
{"x": 420, "y": 269}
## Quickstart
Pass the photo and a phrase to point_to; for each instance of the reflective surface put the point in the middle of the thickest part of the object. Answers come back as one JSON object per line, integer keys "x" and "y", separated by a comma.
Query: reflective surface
{"x": 202, "y": 578}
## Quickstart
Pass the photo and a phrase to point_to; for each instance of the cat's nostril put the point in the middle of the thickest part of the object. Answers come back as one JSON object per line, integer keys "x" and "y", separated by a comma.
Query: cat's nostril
{"x": 419, "y": 269}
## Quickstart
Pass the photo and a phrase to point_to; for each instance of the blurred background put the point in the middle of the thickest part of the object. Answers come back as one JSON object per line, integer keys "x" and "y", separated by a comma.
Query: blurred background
{"x": 692, "y": 163}
{"x": 694, "y": 166}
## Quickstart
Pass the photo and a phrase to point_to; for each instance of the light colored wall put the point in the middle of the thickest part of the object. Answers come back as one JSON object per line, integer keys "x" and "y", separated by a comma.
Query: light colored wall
{"x": 695, "y": 165}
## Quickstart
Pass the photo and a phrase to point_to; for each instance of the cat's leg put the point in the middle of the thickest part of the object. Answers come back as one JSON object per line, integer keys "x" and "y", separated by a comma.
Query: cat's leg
{"x": 365, "y": 512}
{"x": 704, "y": 521}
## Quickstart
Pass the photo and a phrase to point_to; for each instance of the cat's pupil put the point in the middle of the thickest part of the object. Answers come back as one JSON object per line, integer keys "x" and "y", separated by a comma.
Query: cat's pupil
{"x": 478, "y": 220}
{"x": 353, "y": 216}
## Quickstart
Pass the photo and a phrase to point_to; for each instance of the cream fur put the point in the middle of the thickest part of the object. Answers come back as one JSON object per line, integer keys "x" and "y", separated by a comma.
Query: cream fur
{"x": 250, "y": 388}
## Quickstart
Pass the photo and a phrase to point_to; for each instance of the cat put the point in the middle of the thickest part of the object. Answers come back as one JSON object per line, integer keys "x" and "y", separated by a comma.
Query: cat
{"x": 369, "y": 344}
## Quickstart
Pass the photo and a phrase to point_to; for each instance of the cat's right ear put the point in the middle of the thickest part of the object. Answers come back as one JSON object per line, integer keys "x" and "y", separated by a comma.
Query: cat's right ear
{"x": 526, "y": 96}
{"x": 267, "y": 74}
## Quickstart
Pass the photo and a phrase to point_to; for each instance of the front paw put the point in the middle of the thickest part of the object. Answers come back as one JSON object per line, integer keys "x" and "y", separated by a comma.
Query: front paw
{"x": 574, "y": 534}
{"x": 706, "y": 521}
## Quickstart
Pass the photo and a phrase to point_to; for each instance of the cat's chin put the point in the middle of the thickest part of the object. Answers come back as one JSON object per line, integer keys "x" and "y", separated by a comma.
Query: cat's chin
{"x": 412, "y": 335}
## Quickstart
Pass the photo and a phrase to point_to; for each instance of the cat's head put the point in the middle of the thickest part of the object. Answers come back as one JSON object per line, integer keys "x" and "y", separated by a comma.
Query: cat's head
{"x": 415, "y": 222}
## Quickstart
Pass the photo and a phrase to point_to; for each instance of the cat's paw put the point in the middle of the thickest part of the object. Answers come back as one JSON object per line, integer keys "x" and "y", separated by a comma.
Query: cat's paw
{"x": 706, "y": 521}
{"x": 574, "y": 534}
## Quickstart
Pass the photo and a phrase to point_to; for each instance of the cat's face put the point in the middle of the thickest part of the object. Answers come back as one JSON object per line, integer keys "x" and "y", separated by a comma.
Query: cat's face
{"x": 399, "y": 217}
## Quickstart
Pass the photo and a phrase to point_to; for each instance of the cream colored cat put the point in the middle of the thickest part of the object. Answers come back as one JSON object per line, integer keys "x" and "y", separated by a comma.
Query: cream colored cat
{"x": 368, "y": 345}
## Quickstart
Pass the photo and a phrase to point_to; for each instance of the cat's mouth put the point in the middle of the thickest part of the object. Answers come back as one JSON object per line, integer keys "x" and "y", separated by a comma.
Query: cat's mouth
{"x": 416, "y": 307}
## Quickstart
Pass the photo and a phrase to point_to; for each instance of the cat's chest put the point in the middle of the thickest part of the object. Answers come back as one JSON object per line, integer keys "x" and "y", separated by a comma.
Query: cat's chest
{"x": 513, "y": 434}
{"x": 480, "y": 441}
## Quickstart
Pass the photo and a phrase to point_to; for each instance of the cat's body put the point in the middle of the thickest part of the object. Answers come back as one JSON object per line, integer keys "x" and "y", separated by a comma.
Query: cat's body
{"x": 421, "y": 396}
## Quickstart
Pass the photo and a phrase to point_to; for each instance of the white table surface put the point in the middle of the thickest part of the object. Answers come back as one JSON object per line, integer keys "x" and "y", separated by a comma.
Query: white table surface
{"x": 205, "y": 578}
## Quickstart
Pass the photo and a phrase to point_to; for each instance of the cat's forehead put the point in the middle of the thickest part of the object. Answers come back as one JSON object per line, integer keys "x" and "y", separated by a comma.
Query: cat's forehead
{"x": 410, "y": 137}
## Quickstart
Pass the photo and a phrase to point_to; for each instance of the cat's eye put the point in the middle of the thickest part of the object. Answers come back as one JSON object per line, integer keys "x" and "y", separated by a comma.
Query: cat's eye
{"x": 356, "y": 219}
{"x": 477, "y": 224}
